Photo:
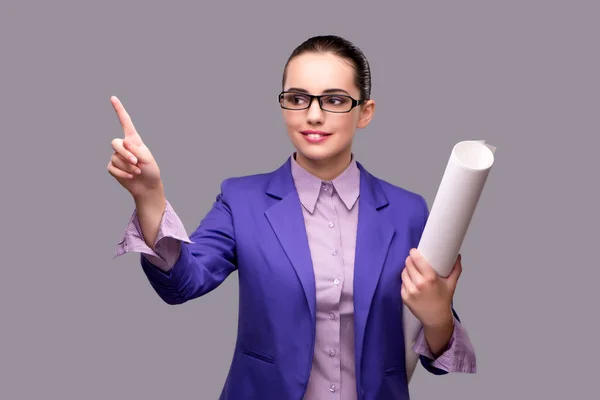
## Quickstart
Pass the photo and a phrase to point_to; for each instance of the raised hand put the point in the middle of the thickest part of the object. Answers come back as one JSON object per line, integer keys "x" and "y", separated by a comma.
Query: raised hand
{"x": 132, "y": 163}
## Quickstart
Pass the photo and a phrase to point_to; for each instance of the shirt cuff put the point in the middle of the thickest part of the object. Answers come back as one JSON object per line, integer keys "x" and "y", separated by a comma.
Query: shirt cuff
{"x": 459, "y": 355}
{"x": 167, "y": 247}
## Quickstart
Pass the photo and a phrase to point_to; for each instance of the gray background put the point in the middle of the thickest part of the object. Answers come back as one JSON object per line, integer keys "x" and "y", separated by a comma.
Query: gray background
{"x": 523, "y": 75}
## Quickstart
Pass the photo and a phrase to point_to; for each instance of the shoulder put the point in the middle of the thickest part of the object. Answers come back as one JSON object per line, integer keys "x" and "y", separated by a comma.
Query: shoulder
{"x": 245, "y": 184}
{"x": 253, "y": 184}
{"x": 398, "y": 195}
{"x": 405, "y": 208}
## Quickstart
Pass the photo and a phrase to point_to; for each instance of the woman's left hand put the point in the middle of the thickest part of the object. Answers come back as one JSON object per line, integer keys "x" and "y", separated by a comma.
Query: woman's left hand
{"x": 425, "y": 293}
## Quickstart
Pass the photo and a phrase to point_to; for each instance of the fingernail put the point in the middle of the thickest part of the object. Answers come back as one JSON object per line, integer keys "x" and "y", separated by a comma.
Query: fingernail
{"x": 133, "y": 160}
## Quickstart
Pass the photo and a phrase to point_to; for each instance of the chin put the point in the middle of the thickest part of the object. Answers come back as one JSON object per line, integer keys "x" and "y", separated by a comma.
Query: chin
{"x": 318, "y": 153}
{"x": 321, "y": 151}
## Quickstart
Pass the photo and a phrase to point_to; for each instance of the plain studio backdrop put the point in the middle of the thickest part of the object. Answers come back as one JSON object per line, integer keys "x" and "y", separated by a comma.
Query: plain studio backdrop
{"x": 201, "y": 83}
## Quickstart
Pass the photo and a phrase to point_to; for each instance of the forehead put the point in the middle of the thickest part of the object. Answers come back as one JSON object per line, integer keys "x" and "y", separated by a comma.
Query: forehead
{"x": 316, "y": 72}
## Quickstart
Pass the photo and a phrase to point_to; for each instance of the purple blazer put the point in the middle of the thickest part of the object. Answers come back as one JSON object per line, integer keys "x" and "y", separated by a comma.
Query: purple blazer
{"x": 256, "y": 227}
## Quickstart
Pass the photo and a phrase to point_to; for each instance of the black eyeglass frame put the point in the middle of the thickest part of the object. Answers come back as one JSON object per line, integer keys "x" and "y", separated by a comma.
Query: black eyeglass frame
{"x": 318, "y": 97}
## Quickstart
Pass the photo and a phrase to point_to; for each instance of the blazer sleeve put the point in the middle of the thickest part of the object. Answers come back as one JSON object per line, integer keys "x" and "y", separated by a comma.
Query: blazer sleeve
{"x": 204, "y": 263}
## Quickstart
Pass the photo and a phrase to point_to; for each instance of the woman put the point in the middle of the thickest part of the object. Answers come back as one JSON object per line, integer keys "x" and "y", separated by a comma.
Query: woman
{"x": 325, "y": 252}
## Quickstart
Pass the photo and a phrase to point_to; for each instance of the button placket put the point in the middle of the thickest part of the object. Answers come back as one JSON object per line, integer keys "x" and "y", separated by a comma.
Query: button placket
{"x": 332, "y": 275}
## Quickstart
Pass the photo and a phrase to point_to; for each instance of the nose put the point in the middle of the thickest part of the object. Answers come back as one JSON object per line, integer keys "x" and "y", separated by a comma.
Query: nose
{"x": 315, "y": 115}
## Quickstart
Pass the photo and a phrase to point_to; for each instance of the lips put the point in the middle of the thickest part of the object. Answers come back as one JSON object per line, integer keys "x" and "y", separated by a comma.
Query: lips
{"x": 315, "y": 137}
{"x": 315, "y": 134}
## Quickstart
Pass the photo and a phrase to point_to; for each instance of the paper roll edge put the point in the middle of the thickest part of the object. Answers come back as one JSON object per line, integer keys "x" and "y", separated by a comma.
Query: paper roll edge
{"x": 487, "y": 150}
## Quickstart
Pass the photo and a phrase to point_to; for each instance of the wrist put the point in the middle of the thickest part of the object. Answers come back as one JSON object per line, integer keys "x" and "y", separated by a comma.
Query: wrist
{"x": 151, "y": 197}
{"x": 445, "y": 319}
{"x": 438, "y": 337}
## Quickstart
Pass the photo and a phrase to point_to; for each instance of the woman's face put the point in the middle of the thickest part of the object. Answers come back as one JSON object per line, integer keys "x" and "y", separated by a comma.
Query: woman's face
{"x": 320, "y": 73}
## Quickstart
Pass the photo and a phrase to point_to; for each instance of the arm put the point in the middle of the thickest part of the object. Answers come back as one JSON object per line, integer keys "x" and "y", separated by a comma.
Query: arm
{"x": 202, "y": 264}
{"x": 458, "y": 355}
{"x": 165, "y": 250}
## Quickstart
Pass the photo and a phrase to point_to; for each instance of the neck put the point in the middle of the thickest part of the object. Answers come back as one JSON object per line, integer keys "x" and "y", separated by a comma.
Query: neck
{"x": 328, "y": 169}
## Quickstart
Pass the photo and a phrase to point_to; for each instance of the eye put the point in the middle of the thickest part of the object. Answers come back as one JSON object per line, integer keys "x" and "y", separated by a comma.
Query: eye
{"x": 295, "y": 99}
{"x": 336, "y": 100}
{"x": 298, "y": 99}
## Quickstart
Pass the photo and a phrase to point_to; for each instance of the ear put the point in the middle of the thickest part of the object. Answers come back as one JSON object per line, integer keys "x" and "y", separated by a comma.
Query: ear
{"x": 366, "y": 113}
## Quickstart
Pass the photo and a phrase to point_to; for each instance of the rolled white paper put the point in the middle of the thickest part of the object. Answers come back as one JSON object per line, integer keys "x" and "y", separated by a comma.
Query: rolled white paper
{"x": 451, "y": 213}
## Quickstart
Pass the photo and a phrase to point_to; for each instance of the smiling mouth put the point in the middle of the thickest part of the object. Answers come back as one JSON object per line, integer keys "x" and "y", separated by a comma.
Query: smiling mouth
{"x": 315, "y": 135}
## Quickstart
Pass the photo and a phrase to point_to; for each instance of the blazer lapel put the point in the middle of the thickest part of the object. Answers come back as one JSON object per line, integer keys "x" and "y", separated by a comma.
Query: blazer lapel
{"x": 374, "y": 236}
{"x": 287, "y": 221}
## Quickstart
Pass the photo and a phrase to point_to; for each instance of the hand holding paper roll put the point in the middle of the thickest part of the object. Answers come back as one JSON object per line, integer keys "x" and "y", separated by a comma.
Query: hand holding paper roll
{"x": 429, "y": 296}
{"x": 451, "y": 213}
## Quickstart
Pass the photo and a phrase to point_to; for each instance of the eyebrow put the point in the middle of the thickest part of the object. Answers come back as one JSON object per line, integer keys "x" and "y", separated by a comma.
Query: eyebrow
{"x": 333, "y": 90}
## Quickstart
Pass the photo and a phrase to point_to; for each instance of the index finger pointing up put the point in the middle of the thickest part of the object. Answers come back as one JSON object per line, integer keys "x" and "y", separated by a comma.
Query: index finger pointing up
{"x": 124, "y": 119}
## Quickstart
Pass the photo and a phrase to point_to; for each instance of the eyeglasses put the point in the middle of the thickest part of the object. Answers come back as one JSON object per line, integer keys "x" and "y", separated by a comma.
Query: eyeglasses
{"x": 335, "y": 103}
